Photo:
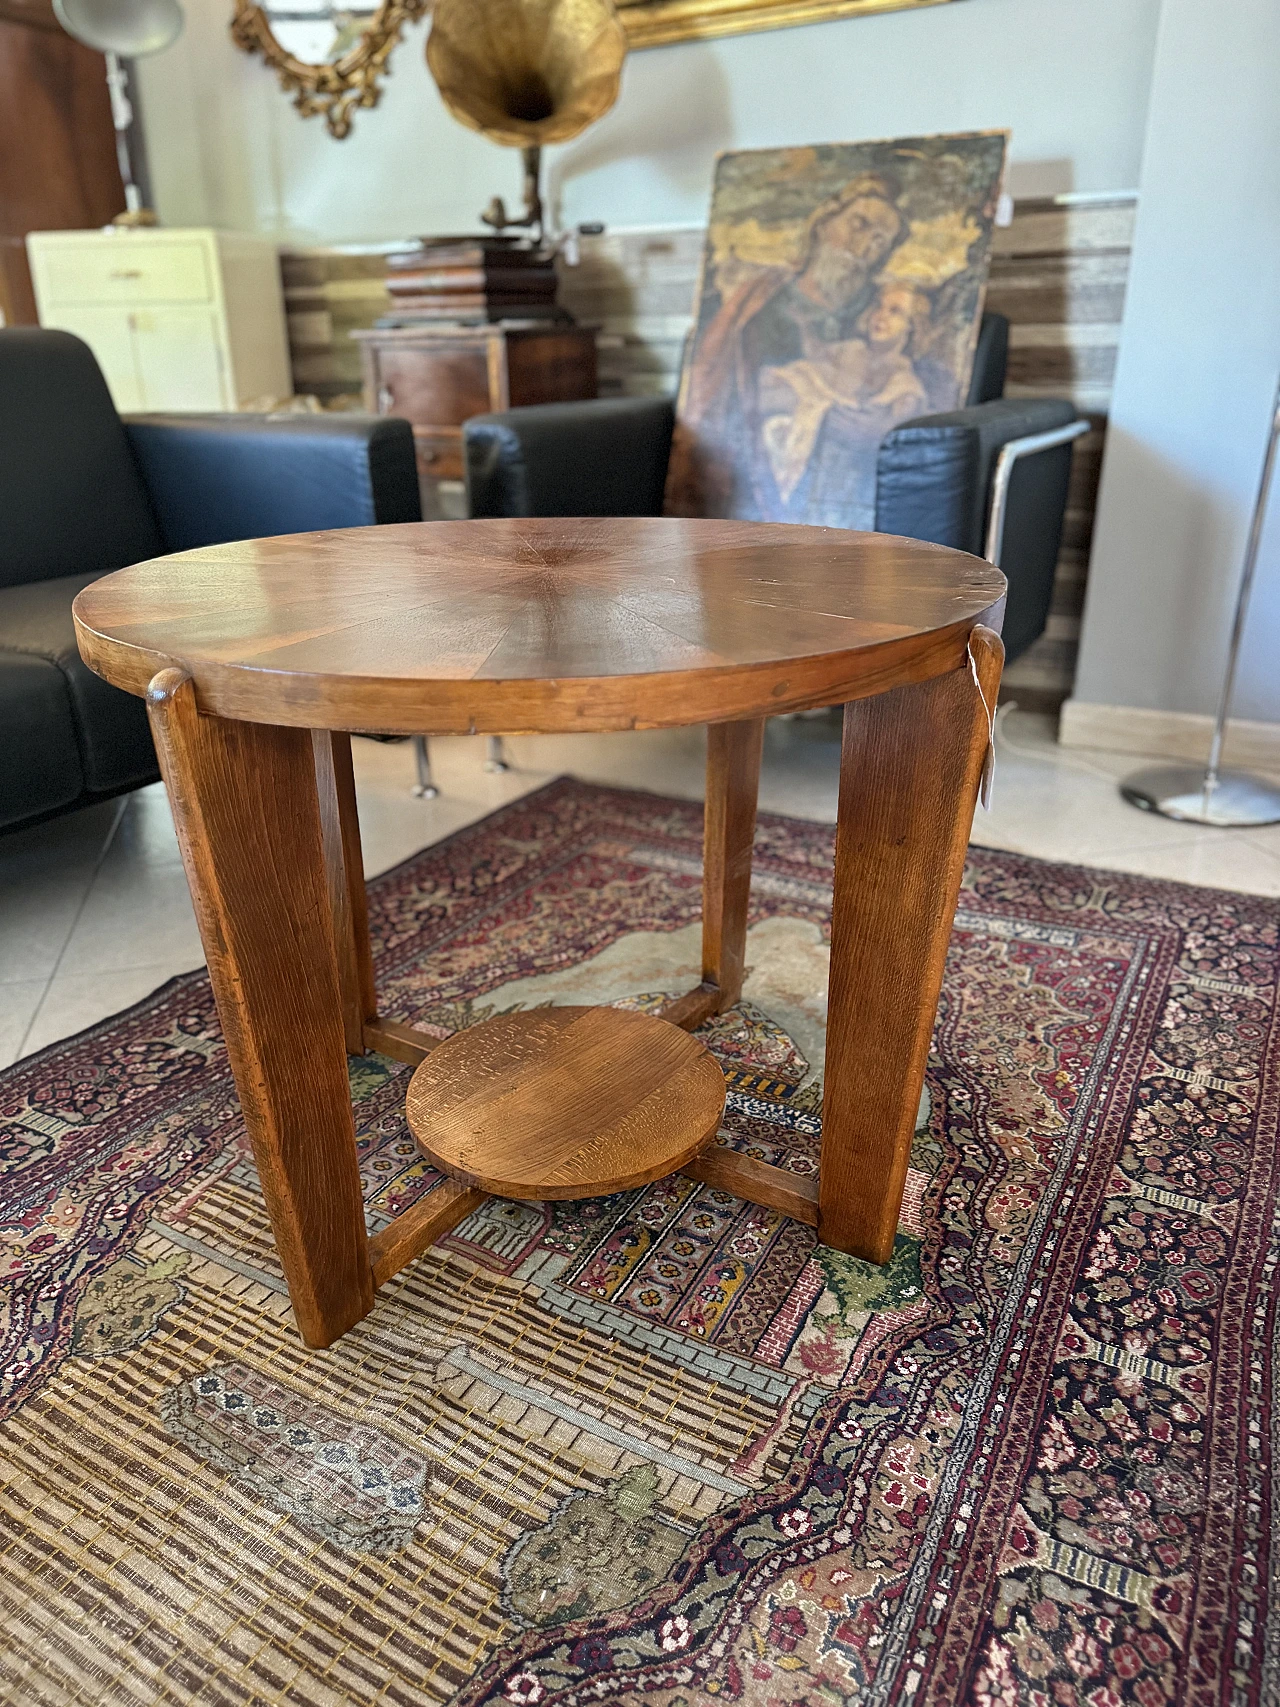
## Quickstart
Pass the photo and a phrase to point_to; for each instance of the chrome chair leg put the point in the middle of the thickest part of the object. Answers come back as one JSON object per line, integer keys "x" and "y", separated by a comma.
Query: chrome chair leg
{"x": 497, "y": 760}
{"x": 425, "y": 788}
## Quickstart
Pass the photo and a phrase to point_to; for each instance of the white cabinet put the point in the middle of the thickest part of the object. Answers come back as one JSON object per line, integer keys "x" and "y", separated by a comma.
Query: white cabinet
{"x": 184, "y": 320}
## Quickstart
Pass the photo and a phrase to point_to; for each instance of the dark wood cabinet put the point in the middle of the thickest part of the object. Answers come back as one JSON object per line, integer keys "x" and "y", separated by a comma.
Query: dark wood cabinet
{"x": 437, "y": 377}
{"x": 57, "y": 147}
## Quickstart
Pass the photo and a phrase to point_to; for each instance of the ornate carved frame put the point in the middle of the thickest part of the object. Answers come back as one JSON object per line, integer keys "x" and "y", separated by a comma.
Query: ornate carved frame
{"x": 336, "y": 90}
{"x": 652, "y": 23}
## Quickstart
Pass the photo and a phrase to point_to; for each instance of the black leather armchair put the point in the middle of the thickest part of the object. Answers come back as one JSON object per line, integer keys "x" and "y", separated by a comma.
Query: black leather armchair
{"x": 84, "y": 492}
{"x": 990, "y": 478}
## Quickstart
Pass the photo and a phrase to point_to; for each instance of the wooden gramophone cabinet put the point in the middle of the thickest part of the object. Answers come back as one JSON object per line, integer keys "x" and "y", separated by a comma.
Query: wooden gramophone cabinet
{"x": 473, "y": 326}
{"x": 438, "y": 375}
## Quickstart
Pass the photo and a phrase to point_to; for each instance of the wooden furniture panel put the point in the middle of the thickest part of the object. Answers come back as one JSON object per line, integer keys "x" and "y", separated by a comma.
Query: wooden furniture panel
{"x": 439, "y": 452}
{"x": 909, "y": 768}
{"x": 418, "y": 1228}
{"x": 57, "y": 146}
{"x": 795, "y": 1195}
{"x": 500, "y": 627}
{"x": 551, "y": 367}
{"x": 733, "y": 780}
{"x": 180, "y": 320}
{"x": 17, "y": 298}
{"x": 248, "y": 820}
{"x": 121, "y": 271}
{"x": 429, "y": 385}
{"x": 344, "y": 876}
{"x": 565, "y": 1102}
{"x": 437, "y": 376}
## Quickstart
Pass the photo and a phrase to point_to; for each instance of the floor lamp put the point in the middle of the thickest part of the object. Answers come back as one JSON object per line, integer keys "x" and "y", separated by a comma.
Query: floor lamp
{"x": 128, "y": 29}
{"x": 1227, "y": 799}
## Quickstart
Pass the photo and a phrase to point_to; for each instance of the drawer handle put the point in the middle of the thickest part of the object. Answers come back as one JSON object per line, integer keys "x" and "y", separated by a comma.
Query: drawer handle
{"x": 126, "y": 273}
{"x": 427, "y": 454}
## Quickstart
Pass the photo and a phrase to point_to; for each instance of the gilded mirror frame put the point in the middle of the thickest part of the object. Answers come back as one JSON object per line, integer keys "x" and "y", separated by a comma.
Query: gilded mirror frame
{"x": 332, "y": 91}
{"x": 654, "y": 23}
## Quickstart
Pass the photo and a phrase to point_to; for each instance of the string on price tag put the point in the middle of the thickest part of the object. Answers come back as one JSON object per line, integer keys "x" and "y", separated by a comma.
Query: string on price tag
{"x": 989, "y": 759}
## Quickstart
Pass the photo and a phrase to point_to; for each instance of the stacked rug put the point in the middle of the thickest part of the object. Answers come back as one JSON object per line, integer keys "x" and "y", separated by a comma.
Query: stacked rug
{"x": 664, "y": 1445}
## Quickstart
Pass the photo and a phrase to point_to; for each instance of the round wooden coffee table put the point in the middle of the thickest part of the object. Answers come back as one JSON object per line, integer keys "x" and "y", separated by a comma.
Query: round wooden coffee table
{"x": 259, "y": 659}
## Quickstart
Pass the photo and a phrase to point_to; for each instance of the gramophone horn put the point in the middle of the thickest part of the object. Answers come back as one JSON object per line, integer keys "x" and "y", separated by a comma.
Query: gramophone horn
{"x": 131, "y": 28}
{"x": 526, "y": 72}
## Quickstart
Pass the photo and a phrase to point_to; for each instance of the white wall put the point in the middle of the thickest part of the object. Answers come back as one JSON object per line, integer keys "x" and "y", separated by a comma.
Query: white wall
{"x": 1199, "y": 359}
{"x": 1069, "y": 77}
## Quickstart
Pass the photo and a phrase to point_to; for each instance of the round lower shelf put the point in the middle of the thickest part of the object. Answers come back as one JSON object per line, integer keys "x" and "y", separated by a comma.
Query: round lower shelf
{"x": 565, "y": 1102}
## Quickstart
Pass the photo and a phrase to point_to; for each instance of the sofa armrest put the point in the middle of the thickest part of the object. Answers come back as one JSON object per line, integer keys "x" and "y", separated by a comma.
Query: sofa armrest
{"x": 935, "y": 478}
{"x": 603, "y": 458}
{"x": 213, "y": 478}
{"x": 933, "y": 474}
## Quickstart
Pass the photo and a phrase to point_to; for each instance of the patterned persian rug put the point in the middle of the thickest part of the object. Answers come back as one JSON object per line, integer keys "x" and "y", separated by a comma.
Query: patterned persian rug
{"x": 663, "y": 1446}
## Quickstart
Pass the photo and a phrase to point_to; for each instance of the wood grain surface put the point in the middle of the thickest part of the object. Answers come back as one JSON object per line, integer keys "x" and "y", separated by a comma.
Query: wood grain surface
{"x": 538, "y": 625}
{"x": 760, "y": 1182}
{"x": 733, "y": 781}
{"x": 58, "y": 165}
{"x": 344, "y": 870}
{"x": 909, "y": 768}
{"x": 401, "y": 1042}
{"x": 729, "y": 827}
{"x": 248, "y": 821}
{"x": 689, "y": 1011}
{"x": 565, "y": 1102}
{"x": 417, "y": 1228}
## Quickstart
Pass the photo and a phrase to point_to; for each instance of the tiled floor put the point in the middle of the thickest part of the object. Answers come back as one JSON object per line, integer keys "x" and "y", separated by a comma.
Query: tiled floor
{"x": 94, "y": 911}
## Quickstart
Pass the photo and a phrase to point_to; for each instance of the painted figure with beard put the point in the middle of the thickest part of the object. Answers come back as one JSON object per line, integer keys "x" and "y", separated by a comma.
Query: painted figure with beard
{"x": 802, "y": 327}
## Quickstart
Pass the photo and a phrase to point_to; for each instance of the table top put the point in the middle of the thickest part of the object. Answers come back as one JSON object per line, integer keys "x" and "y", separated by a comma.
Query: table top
{"x": 547, "y": 625}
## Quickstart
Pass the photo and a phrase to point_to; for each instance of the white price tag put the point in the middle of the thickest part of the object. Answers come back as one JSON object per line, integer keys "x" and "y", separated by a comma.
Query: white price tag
{"x": 989, "y": 759}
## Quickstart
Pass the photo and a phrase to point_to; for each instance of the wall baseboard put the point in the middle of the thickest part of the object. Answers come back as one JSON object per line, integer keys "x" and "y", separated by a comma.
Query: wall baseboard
{"x": 1167, "y": 734}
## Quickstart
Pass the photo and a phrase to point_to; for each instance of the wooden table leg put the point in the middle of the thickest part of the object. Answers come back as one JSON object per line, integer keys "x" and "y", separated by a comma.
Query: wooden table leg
{"x": 344, "y": 870}
{"x": 410, "y": 1233}
{"x": 733, "y": 781}
{"x": 245, "y": 804}
{"x": 909, "y": 770}
{"x": 349, "y": 910}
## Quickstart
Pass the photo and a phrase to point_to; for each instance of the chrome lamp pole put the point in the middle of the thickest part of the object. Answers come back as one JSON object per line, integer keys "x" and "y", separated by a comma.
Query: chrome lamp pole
{"x": 1225, "y": 799}
{"x": 122, "y": 29}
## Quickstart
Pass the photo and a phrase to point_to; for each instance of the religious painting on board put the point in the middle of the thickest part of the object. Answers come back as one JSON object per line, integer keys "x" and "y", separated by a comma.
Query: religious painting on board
{"x": 841, "y": 292}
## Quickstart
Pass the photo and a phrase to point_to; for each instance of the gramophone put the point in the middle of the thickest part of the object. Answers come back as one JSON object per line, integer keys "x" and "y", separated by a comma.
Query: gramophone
{"x": 523, "y": 73}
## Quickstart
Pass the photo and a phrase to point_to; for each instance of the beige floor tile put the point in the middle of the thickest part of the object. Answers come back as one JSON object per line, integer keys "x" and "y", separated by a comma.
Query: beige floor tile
{"x": 45, "y": 874}
{"x": 74, "y": 1001}
{"x": 394, "y": 823}
{"x": 108, "y": 927}
{"x": 1217, "y": 859}
{"x": 18, "y": 1004}
{"x": 146, "y": 830}
{"x": 799, "y": 774}
{"x": 137, "y": 912}
{"x": 1059, "y": 805}
{"x": 1265, "y": 840}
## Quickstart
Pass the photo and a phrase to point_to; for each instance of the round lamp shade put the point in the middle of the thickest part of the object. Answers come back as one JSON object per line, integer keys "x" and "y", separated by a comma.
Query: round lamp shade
{"x": 131, "y": 28}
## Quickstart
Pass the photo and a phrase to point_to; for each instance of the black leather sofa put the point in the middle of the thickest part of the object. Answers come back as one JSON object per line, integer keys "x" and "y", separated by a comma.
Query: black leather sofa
{"x": 936, "y": 479}
{"x": 84, "y": 492}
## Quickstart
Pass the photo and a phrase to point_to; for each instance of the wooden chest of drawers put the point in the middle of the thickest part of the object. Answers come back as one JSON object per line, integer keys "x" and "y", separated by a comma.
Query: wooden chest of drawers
{"x": 437, "y": 377}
